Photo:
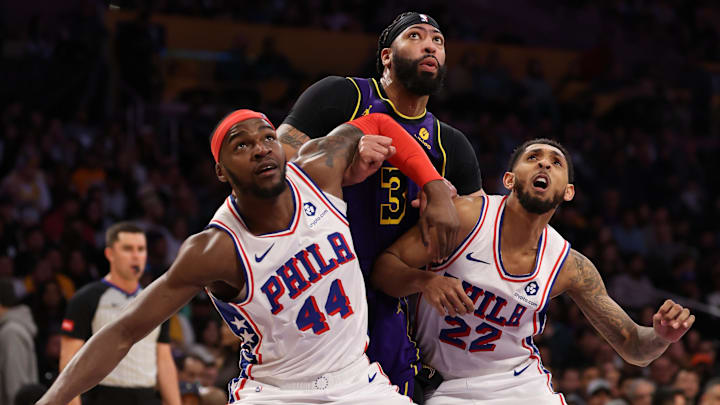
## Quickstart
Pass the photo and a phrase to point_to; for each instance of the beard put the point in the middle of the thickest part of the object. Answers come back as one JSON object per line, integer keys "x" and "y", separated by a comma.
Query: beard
{"x": 535, "y": 205}
{"x": 268, "y": 192}
{"x": 420, "y": 83}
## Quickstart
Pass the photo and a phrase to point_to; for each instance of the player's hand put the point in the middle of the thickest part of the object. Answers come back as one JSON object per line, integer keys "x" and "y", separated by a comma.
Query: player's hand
{"x": 672, "y": 320}
{"x": 447, "y": 296}
{"x": 439, "y": 223}
{"x": 372, "y": 151}
{"x": 421, "y": 200}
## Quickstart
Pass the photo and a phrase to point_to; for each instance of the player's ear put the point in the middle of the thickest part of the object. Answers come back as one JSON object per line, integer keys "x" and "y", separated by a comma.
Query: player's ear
{"x": 220, "y": 173}
{"x": 509, "y": 180}
{"x": 569, "y": 192}
{"x": 386, "y": 56}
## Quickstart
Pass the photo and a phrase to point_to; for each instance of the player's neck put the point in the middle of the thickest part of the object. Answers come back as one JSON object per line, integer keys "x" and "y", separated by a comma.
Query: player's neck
{"x": 521, "y": 229}
{"x": 266, "y": 215}
{"x": 405, "y": 102}
{"x": 129, "y": 286}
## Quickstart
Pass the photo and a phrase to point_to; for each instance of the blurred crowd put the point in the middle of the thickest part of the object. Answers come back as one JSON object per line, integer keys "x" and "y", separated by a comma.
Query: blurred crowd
{"x": 86, "y": 141}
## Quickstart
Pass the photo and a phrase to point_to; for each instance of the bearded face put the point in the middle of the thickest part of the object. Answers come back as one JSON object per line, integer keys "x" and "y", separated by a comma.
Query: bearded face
{"x": 418, "y": 81}
{"x": 534, "y": 204}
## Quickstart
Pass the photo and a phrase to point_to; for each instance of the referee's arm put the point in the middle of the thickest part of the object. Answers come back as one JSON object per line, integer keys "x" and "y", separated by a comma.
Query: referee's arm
{"x": 167, "y": 377}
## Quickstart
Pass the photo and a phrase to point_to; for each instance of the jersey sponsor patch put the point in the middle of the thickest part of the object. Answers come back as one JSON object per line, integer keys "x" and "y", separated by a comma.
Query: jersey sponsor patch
{"x": 68, "y": 325}
{"x": 531, "y": 288}
{"x": 309, "y": 209}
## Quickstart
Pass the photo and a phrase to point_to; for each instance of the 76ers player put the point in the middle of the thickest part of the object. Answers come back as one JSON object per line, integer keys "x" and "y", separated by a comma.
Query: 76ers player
{"x": 479, "y": 310}
{"x": 279, "y": 263}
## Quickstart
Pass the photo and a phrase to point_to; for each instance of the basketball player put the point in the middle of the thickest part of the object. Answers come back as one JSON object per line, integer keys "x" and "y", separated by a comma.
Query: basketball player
{"x": 411, "y": 64}
{"x": 278, "y": 261}
{"x": 479, "y": 310}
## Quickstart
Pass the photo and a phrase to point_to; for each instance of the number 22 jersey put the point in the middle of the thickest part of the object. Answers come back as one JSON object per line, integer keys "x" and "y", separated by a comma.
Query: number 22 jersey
{"x": 305, "y": 311}
{"x": 509, "y": 309}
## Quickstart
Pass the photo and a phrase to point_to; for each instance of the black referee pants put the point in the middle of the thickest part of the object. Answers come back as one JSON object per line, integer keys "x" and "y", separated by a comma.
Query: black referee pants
{"x": 105, "y": 395}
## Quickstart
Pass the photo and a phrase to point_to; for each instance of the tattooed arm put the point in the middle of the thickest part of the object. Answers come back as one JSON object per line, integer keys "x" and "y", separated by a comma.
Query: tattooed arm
{"x": 638, "y": 345}
{"x": 291, "y": 139}
{"x": 326, "y": 159}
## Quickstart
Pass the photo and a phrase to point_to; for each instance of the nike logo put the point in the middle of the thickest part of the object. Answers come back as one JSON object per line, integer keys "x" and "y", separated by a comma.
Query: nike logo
{"x": 370, "y": 379}
{"x": 517, "y": 373}
{"x": 469, "y": 257}
{"x": 259, "y": 259}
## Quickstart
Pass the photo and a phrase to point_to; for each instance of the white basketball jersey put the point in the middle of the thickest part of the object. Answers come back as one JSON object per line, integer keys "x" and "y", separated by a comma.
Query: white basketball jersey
{"x": 305, "y": 311}
{"x": 509, "y": 309}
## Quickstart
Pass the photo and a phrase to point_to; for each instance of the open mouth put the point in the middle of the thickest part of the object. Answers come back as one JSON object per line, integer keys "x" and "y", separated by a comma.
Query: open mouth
{"x": 541, "y": 182}
{"x": 137, "y": 269}
{"x": 266, "y": 168}
{"x": 429, "y": 63}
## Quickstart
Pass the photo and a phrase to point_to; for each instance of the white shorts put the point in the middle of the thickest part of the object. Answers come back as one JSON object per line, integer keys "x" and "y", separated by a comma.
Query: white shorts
{"x": 531, "y": 385}
{"x": 361, "y": 383}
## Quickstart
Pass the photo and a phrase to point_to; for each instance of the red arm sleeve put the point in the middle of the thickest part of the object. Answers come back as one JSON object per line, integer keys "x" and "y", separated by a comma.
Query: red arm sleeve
{"x": 409, "y": 157}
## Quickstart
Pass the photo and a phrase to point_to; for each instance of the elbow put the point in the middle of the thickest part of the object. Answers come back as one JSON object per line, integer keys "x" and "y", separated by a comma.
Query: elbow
{"x": 638, "y": 362}
{"x": 376, "y": 278}
{"x": 127, "y": 336}
{"x": 379, "y": 279}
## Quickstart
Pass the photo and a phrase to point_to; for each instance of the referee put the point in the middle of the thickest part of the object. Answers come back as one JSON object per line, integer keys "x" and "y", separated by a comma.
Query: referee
{"x": 148, "y": 369}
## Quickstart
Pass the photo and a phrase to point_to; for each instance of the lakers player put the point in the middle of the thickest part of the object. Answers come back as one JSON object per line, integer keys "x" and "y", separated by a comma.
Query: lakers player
{"x": 278, "y": 261}
{"x": 479, "y": 310}
{"x": 411, "y": 63}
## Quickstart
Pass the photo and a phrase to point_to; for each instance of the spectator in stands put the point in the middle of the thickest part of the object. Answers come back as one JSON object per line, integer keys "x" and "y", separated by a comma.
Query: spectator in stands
{"x": 711, "y": 393}
{"x": 641, "y": 391}
{"x": 688, "y": 381}
{"x": 18, "y": 363}
{"x": 669, "y": 396}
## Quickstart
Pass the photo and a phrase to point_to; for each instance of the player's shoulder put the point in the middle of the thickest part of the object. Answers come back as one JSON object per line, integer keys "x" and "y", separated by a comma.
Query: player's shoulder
{"x": 90, "y": 291}
{"x": 335, "y": 82}
{"x": 469, "y": 209}
{"x": 448, "y": 130}
{"x": 208, "y": 243}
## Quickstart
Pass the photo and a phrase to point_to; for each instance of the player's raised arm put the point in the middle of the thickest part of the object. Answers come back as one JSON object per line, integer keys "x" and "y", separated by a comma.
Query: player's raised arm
{"x": 327, "y": 158}
{"x": 637, "y": 344}
{"x": 201, "y": 259}
{"x": 398, "y": 270}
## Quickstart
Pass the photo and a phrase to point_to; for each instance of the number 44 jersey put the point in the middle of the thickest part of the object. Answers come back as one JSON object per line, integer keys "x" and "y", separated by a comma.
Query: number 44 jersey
{"x": 509, "y": 309}
{"x": 304, "y": 312}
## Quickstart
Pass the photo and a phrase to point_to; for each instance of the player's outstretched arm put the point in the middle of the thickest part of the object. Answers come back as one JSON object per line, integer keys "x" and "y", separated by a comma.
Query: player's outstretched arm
{"x": 398, "y": 270}
{"x": 326, "y": 159}
{"x": 638, "y": 345}
{"x": 198, "y": 263}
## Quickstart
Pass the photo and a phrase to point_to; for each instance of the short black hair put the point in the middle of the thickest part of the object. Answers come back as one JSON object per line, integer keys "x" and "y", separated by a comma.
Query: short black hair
{"x": 383, "y": 37}
{"x": 666, "y": 396}
{"x": 543, "y": 141}
{"x": 112, "y": 233}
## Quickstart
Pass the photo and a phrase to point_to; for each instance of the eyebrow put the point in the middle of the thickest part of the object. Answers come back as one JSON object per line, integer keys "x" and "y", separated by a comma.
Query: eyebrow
{"x": 554, "y": 152}
{"x": 420, "y": 27}
{"x": 235, "y": 131}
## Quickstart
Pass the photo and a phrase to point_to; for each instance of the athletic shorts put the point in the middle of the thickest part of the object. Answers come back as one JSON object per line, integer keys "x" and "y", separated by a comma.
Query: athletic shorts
{"x": 527, "y": 384}
{"x": 390, "y": 343}
{"x": 361, "y": 383}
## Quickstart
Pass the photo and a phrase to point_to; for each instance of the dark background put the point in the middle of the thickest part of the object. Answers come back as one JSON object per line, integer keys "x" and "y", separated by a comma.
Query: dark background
{"x": 105, "y": 112}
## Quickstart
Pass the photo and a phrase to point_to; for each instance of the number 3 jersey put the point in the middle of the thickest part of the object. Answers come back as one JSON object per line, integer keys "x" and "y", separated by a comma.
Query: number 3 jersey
{"x": 305, "y": 311}
{"x": 509, "y": 309}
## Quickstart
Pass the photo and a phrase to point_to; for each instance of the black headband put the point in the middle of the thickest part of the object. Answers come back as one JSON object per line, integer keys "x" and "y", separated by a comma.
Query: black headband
{"x": 400, "y": 25}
